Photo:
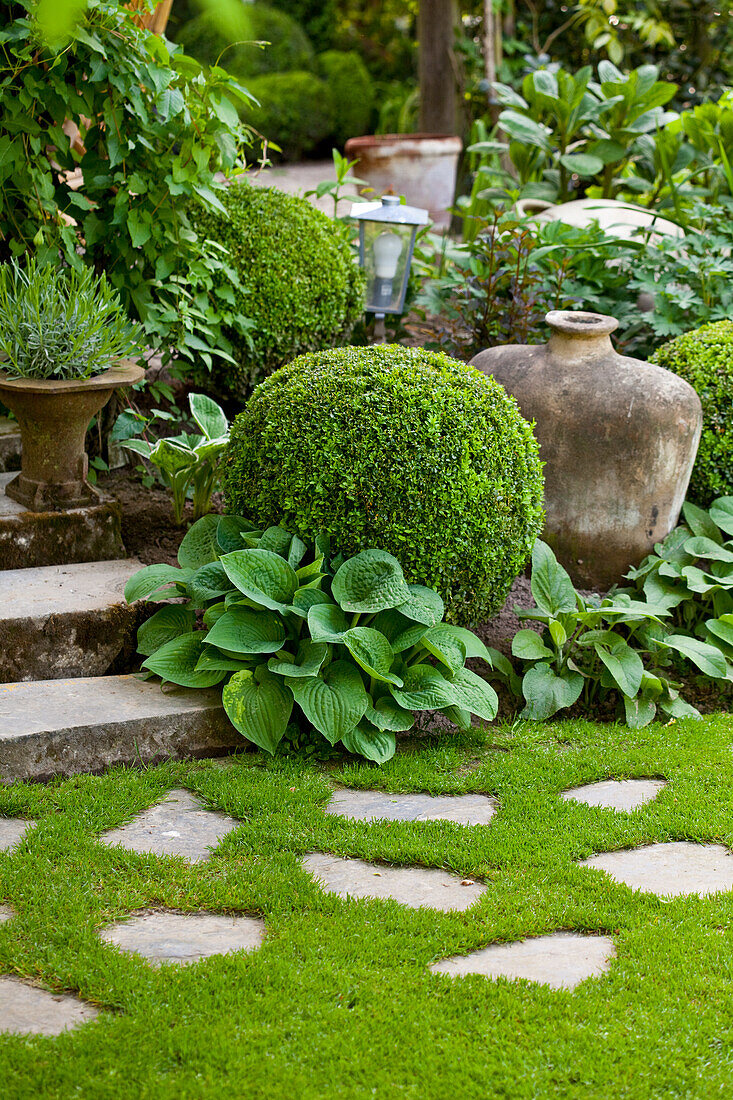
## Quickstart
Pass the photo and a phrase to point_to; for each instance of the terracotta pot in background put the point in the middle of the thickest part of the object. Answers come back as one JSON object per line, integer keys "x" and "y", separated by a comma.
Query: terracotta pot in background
{"x": 421, "y": 167}
{"x": 618, "y": 438}
{"x": 53, "y": 417}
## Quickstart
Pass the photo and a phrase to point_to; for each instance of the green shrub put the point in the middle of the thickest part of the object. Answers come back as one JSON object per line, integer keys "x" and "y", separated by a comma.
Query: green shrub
{"x": 704, "y": 358}
{"x": 288, "y": 47}
{"x": 352, "y": 93}
{"x": 295, "y": 110}
{"x": 318, "y": 18}
{"x": 301, "y": 285}
{"x": 398, "y": 448}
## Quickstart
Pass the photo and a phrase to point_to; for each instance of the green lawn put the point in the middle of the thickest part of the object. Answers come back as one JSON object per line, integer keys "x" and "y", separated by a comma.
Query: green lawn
{"x": 339, "y": 1002}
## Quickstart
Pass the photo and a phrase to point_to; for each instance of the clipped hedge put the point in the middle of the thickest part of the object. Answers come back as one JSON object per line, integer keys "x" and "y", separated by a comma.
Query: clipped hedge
{"x": 704, "y": 358}
{"x": 288, "y": 46}
{"x": 318, "y": 18}
{"x": 295, "y": 111}
{"x": 352, "y": 93}
{"x": 400, "y": 449}
{"x": 302, "y": 286}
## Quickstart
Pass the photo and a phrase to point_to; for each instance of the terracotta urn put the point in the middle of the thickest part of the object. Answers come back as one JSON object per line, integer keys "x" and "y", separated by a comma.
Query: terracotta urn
{"x": 53, "y": 417}
{"x": 421, "y": 167}
{"x": 618, "y": 438}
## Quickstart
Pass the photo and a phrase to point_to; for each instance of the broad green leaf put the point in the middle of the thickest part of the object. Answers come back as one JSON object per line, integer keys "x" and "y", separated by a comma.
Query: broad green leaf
{"x": 306, "y": 598}
{"x": 296, "y": 553}
{"x": 152, "y": 579}
{"x": 333, "y": 702}
{"x": 199, "y": 545}
{"x": 212, "y": 658}
{"x": 259, "y": 706}
{"x": 446, "y": 643}
{"x": 524, "y": 130}
{"x": 372, "y": 652}
{"x": 172, "y": 456}
{"x": 327, "y": 623}
{"x": 307, "y": 572}
{"x": 176, "y": 662}
{"x": 470, "y": 692}
{"x": 208, "y": 415}
{"x": 639, "y": 711}
{"x": 475, "y": 648}
{"x": 458, "y": 716}
{"x": 708, "y": 658}
{"x": 546, "y": 693}
{"x": 209, "y": 581}
{"x": 721, "y": 628}
{"x": 552, "y": 588}
{"x": 373, "y": 744}
{"x": 400, "y": 632}
{"x": 214, "y": 613}
{"x": 558, "y": 633}
{"x": 582, "y": 164}
{"x": 424, "y": 605}
{"x": 424, "y": 689}
{"x": 308, "y": 662}
{"x": 262, "y": 576}
{"x": 528, "y": 645}
{"x": 277, "y": 540}
{"x": 230, "y": 531}
{"x": 386, "y": 714}
{"x": 371, "y": 581}
{"x": 163, "y": 626}
{"x": 701, "y": 523}
{"x": 678, "y": 708}
{"x": 721, "y": 513}
{"x": 624, "y": 664}
{"x": 706, "y": 548}
{"x": 242, "y": 630}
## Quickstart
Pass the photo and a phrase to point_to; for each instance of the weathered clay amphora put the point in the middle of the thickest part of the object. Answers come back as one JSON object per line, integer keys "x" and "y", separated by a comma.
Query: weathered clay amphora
{"x": 618, "y": 438}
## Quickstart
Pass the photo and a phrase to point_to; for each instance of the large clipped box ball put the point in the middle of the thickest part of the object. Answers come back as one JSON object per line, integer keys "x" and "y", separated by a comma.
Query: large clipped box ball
{"x": 398, "y": 449}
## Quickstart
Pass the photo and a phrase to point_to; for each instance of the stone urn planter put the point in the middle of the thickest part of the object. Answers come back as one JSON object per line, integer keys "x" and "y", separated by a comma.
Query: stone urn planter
{"x": 53, "y": 417}
{"x": 421, "y": 167}
{"x": 618, "y": 438}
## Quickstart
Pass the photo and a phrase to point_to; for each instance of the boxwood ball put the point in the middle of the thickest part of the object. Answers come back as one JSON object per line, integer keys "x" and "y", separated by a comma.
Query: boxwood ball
{"x": 400, "y": 449}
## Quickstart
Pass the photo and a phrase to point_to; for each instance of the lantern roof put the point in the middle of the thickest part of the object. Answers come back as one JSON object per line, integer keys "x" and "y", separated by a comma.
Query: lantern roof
{"x": 389, "y": 209}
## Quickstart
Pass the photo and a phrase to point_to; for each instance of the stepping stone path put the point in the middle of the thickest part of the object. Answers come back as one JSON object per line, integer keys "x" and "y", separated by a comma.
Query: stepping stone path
{"x": 670, "y": 870}
{"x": 12, "y": 831}
{"x": 414, "y": 886}
{"x": 466, "y": 809}
{"x": 5, "y": 913}
{"x": 184, "y": 937}
{"x": 561, "y": 960}
{"x": 180, "y": 826}
{"x": 616, "y": 794}
{"x": 27, "y": 1010}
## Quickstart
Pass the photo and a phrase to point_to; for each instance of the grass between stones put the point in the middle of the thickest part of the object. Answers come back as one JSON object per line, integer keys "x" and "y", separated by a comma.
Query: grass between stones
{"x": 339, "y": 1000}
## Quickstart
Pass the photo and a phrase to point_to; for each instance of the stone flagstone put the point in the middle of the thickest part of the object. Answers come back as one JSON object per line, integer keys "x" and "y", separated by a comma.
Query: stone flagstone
{"x": 184, "y": 937}
{"x": 418, "y": 887}
{"x": 5, "y": 913}
{"x": 180, "y": 826}
{"x": 616, "y": 794}
{"x": 561, "y": 960}
{"x": 670, "y": 870}
{"x": 12, "y": 831}
{"x": 465, "y": 809}
{"x": 26, "y": 1010}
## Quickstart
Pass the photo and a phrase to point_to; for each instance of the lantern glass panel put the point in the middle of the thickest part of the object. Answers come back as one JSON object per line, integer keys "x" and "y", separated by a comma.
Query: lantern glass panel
{"x": 386, "y": 255}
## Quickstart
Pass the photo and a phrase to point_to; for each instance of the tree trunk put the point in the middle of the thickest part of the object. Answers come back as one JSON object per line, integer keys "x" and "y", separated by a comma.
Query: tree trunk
{"x": 436, "y": 27}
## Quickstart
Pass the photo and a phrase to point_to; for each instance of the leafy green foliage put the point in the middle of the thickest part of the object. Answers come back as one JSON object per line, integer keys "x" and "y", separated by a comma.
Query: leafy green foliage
{"x": 239, "y": 49}
{"x": 352, "y": 93}
{"x": 297, "y": 279}
{"x": 627, "y": 645}
{"x": 154, "y": 131}
{"x": 294, "y": 111}
{"x": 317, "y": 18}
{"x": 286, "y": 626}
{"x": 704, "y": 358}
{"x": 399, "y": 448}
{"x": 61, "y": 325}
{"x": 188, "y": 463}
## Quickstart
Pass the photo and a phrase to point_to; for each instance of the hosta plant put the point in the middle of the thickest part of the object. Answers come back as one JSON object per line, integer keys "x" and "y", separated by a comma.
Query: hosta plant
{"x": 188, "y": 463}
{"x": 342, "y": 646}
{"x": 595, "y": 647}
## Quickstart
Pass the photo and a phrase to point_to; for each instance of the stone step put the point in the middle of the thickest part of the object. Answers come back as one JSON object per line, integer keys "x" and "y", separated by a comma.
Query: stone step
{"x": 62, "y": 727}
{"x": 9, "y": 444}
{"x": 29, "y": 539}
{"x": 59, "y": 621}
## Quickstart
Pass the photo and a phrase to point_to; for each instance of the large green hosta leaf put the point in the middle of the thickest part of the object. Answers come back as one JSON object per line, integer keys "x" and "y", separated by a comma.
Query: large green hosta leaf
{"x": 401, "y": 633}
{"x": 424, "y": 689}
{"x": 371, "y": 581}
{"x": 241, "y": 630}
{"x": 156, "y": 582}
{"x": 176, "y": 662}
{"x": 327, "y": 623}
{"x": 374, "y": 744}
{"x": 259, "y": 706}
{"x": 209, "y": 581}
{"x": 308, "y": 661}
{"x": 424, "y": 605}
{"x": 199, "y": 545}
{"x": 163, "y": 627}
{"x": 445, "y": 643}
{"x": 262, "y": 576}
{"x": 472, "y": 693}
{"x": 372, "y": 652}
{"x": 230, "y": 533}
{"x": 387, "y": 714}
{"x": 335, "y": 701}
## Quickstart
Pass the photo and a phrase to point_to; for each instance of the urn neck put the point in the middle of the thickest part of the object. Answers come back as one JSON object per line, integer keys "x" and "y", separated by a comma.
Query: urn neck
{"x": 580, "y": 336}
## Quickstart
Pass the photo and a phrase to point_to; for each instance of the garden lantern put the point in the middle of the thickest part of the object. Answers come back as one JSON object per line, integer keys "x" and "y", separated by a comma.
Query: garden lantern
{"x": 387, "y": 232}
